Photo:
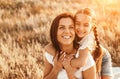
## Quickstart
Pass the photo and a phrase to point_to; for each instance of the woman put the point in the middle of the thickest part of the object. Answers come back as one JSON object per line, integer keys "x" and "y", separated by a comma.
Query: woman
{"x": 87, "y": 37}
{"x": 57, "y": 63}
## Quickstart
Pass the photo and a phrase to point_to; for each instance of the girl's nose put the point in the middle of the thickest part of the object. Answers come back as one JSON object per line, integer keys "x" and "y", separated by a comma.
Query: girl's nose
{"x": 80, "y": 28}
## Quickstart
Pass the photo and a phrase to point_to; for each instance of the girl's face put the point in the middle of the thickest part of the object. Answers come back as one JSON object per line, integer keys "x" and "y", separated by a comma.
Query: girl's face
{"x": 66, "y": 32}
{"x": 83, "y": 25}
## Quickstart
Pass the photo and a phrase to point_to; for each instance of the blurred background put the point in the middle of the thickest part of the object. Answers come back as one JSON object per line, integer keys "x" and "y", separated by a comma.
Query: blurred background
{"x": 24, "y": 31}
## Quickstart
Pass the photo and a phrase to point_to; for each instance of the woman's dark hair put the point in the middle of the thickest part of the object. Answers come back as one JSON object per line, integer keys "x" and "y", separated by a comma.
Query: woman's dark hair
{"x": 97, "y": 54}
{"x": 54, "y": 29}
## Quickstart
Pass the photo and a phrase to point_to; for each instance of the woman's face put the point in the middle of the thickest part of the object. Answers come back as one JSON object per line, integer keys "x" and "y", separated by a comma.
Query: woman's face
{"x": 66, "y": 32}
{"x": 83, "y": 25}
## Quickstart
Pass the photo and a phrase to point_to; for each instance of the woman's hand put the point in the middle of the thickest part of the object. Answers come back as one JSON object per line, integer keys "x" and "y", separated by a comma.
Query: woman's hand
{"x": 66, "y": 63}
{"x": 58, "y": 60}
{"x": 69, "y": 69}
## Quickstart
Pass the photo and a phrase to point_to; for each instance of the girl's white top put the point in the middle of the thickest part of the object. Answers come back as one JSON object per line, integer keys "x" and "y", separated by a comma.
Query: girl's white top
{"x": 78, "y": 74}
{"x": 88, "y": 42}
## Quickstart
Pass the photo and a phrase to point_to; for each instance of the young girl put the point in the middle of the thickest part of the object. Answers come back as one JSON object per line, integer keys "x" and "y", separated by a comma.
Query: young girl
{"x": 87, "y": 38}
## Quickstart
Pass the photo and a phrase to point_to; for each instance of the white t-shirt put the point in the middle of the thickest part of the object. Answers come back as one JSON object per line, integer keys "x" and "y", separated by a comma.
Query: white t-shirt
{"x": 88, "y": 42}
{"x": 78, "y": 74}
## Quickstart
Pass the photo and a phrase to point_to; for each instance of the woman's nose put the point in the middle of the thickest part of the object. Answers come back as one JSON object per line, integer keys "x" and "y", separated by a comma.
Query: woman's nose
{"x": 67, "y": 30}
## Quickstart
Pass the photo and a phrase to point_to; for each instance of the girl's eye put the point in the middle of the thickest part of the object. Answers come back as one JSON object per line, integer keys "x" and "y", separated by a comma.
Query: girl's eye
{"x": 77, "y": 23}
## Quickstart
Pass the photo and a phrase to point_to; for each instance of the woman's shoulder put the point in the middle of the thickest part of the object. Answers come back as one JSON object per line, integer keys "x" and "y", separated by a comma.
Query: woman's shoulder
{"x": 49, "y": 54}
{"x": 50, "y": 49}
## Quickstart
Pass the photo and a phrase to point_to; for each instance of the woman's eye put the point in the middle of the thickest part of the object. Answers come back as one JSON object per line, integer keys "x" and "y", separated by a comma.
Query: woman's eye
{"x": 71, "y": 27}
{"x": 61, "y": 28}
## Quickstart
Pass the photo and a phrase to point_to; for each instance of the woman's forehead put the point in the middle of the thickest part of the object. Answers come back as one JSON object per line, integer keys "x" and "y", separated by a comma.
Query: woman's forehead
{"x": 65, "y": 21}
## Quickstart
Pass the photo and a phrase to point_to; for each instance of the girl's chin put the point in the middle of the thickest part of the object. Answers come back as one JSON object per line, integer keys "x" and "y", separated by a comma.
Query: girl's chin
{"x": 80, "y": 36}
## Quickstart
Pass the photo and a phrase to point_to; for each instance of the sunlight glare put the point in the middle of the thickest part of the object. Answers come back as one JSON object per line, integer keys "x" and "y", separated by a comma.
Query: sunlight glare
{"x": 109, "y": 1}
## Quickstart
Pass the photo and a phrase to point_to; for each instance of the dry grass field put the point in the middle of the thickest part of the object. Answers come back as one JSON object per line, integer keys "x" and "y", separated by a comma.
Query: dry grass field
{"x": 24, "y": 31}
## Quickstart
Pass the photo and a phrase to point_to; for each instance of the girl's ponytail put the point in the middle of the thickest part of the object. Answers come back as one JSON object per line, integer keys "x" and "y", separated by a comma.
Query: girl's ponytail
{"x": 97, "y": 54}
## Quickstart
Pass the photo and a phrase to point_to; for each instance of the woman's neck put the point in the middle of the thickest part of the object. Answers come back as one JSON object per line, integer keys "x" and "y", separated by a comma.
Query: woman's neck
{"x": 68, "y": 49}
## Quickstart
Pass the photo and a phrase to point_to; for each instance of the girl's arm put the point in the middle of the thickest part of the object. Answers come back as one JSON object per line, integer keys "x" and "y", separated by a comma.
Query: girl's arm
{"x": 82, "y": 58}
{"x": 89, "y": 69}
{"x": 75, "y": 62}
{"x": 106, "y": 77}
{"x": 90, "y": 73}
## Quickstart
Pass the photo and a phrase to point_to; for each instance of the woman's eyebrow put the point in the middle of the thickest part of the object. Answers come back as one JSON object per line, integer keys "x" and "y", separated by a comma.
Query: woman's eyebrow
{"x": 61, "y": 25}
{"x": 77, "y": 22}
{"x": 86, "y": 23}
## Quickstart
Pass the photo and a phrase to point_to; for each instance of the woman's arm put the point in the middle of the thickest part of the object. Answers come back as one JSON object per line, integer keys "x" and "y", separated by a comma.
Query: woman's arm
{"x": 82, "y": 58}
{"x": 50, "y": 71}
{"x": 70, "y": 74}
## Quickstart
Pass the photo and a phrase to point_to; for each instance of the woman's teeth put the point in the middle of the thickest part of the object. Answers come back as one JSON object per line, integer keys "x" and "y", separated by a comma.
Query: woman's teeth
{"x": 66, "y": 37}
